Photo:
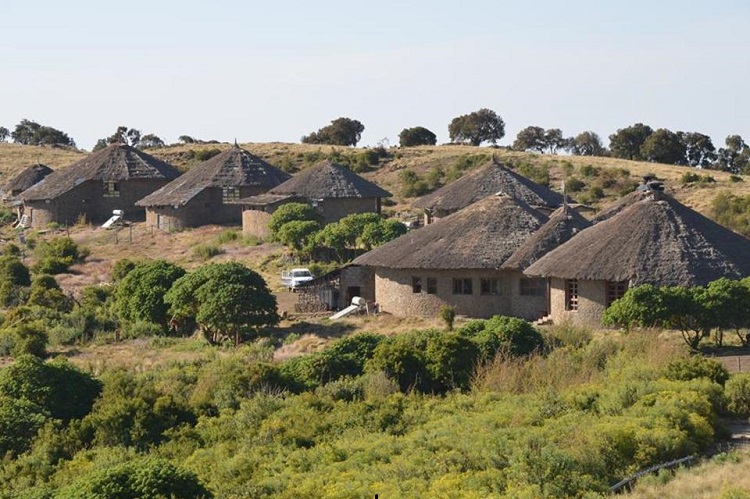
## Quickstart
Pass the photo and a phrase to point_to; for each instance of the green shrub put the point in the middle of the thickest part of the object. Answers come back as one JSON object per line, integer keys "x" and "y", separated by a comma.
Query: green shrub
{"x": 205, "y": 154}
{"x": 737, "y": 391}
{"x": 697, "y": 366}
{"x": 537, "y": 172}
{"x": 229, "y": 236}
{"x": 206, "y": 251}
{"x": 121, "y": 268}
{"x": 590, "y": 171}
{"x": 448, "y": 316}
{"x": 735, "y": 178}
{"x": 53, "y": 265}
{"x": 574, "y": 185}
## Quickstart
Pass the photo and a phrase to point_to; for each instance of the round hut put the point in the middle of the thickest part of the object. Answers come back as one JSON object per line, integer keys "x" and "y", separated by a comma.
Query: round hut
{"x": 28, "y": 177}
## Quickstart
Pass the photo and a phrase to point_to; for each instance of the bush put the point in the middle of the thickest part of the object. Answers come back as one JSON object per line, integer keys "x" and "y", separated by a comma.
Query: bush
{"x": 735, "y": 178}
{"x": 695, "y": 367}
{"x": 448, "y": 315}
{"x": 737, "y": 391}
{"x": 509, "y": 334}
{"x": 56, "y": 255}
{"x": 206, "y": 251}
{"x": 574, "y": 185}
{"x": 140, "y": 295}
{"x": 205, "y": 154}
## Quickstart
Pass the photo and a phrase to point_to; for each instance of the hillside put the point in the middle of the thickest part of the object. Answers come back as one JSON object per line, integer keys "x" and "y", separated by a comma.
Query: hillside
{"x": 601, "y": 179}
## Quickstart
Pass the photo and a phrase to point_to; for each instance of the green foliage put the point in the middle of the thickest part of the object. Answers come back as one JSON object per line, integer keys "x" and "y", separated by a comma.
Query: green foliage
{"x": 229, "y": 236}
{"x": 693, "y": 178}
{"x": 365, "y": 230}
{"x": 641, "y": 306}
{"x": 626, "y": 143}
{"x": 477, "y": 127}
{"x": 412, "y": 185}
{"x": 14, "y": 271}
{"x": 587, "y": 144}
{"x": 696, "y": 367}
{"x": 30, "y": 133}
{"x": 227, "y": 300}
{"x": 537, "y": 172}
{"x": 448, "y": 315}
{"x": 738, "y": 394}
{"x": 416, "y": 136}
{"x": 45, "y": 292}
{"x": 24, "y": 338}
{"x": 574, "y": 185}
{"x": 341, "y": 132}
{"x": 510, "y": 335}
{"x": 298, "y": 235}
{"x": 206, "y": 251}
{"x": 122, "y": 268}
{"x": 56, "y": 255}
{"x": 735, "y": 179}
{"x": 20, "y": 419}
{"x": 664, "y": 146}
{"x": 206, "y": 154}
{"x": 733, "y": 211}
{"x": 140, "y": 294}
{"x": 290, "y": 212}
{"x": 145, "y": 478}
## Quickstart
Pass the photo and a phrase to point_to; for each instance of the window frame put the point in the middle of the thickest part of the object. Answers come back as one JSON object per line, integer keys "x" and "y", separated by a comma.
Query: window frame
{"x": 111, "y": 189}
{"x": 489, "y": 286}
{"x": 572, "y": 301}
{"x": 431, "y": 286}
{"x": 463, "y": 286}
{"x": 416, "y": 284}
{"x": 229, "y": 194}
{"x": 532, "y": 286}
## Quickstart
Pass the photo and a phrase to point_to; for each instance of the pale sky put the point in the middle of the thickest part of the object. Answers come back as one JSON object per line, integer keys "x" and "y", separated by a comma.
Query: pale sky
{"x": 277, "y": 70}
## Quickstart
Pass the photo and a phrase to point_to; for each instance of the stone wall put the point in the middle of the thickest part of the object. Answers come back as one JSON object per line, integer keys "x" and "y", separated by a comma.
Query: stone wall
{"x": 356, "y": 277}
{"x": 255, "y": 223}
{"x": 592, "y": 297}
{"x": 334, "y": 209}
{"x": 395, "y": 294}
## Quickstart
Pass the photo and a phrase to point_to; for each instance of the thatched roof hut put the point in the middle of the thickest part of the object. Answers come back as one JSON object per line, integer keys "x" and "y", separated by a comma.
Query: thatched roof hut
{"x": 562, "y": 225}
{"x": 481, "y": 236}
{"x": 655, "y": 240}
{"x": 28, "y": 177}
{"x": 117, "y": 162}
{"x": 489, "y": 179}
{"x": 329, "y": 180}
{"x": 234, "y": 167}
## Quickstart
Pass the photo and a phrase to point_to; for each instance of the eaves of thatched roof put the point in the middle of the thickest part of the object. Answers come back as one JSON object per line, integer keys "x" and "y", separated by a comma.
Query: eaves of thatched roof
{"x": 619, "y": 205}
{"x": 234, "y": 167}
{"x": 481, "y": 236}
{"x": 658, "y": 241}
{"x": 116, "y": 162}
{"x": 26, "y": 178}
{"x": 562, "y": 225}
{"x": 326, "y": 180}
{"x": 492, "y": 178}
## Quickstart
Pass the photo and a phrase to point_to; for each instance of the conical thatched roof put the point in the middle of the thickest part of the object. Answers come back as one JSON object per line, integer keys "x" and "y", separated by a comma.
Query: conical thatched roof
{"x": 489, "y": 179}
{"x": 481, "y": 236}
{"x": 234, "y": 167}
{"x": 562, "y": 225}
{"x": 327, "y": 179}
{"x": 616, "y": 207}
{"x": 29, "y": 176}
{"x": 661, "y": 242}
{"x": 116, "y": 162}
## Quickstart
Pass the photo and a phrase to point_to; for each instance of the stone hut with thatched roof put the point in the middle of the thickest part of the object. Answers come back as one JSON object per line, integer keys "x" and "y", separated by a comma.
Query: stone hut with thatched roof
{"x": 656, "y": 240}
{"x": 335, "y": 191}
{"x": 206, "y": 193}
{"x": 459, "y": 261}
{"x": 28, "y": 177}
{"x": 489, "y": 179}
{"x": 111, "y": 179}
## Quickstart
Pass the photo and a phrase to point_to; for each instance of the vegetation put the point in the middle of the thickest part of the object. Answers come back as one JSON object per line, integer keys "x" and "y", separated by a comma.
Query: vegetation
{"x": 477, "y": 127}
{"x": 341, "y": 132}
{"x": 56, "y": 255}
{"x": 416, "y": 136}
{"x": 31, "y": 133}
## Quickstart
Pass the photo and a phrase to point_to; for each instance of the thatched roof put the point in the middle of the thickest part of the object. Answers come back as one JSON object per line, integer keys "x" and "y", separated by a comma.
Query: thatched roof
{"x": 562, "y": 225}
{"x": 116, "y": 162}
{"x": 327, "y": 179}
{"x": 264, "y": 199}
{"x": 29, "y": 176}
{"x": 234, "y": 167}
{"x": 481, "y": 236}
{"x": 617, "y": 206}
{"x": 489, "y": 179}
{"x": 657, "y": 241}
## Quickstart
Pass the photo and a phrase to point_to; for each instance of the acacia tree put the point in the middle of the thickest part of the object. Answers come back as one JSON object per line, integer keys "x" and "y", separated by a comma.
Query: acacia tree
{"x": 416, "y": 136}
{"x": 226, "y": 300}
{"x": 626, "y": 142}
{"x": 477, "y": 127}
{"x": 151, "y": 141}
{"x": 123, "y": 135}
{"x": 341, "y": 132}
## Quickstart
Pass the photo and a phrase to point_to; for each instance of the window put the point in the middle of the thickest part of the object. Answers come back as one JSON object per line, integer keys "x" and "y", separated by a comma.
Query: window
{"x": 431, "y": 286}
{"x": 615, "y": 290}
{"x": 111, "y": 189}
{"x": 229, "y": 194}
{"x": 462, "y": 286}
{"x": 533, "y": 287}
{"x": 571, "y": 294}
{"x": 489, "y": 286}
{"x": 416, "y": 284}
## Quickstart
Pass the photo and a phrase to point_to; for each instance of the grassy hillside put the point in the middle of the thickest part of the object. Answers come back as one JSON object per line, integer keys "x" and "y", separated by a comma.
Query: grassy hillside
{"x": 601, "y": 179}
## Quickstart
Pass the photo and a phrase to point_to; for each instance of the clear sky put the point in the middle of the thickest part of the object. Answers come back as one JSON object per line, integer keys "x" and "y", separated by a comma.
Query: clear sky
{"x": 277, "y": 70}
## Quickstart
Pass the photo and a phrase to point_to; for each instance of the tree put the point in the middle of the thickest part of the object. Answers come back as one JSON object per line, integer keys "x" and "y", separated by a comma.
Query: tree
{"x": 30, "y": 133}
{"x": 699, "y": 150}
{"x": 416, "y": 136}
{"x": 664, "y": 146}
{"x": 151, "y": 141}
{"x": 289, "y": 212}
{"x": 298, "y": 234}
{"x": 45, "y": 292}
{"x": 626, "y": 142}
{"x": 530, "y": 138}
{"x": 341, "y": 132}
{"x": 227, "y": 300}
{"x": 377, "y": 234}
{"x": 123, "y": 135}
{"x": 735, "y": 157}
{"x": 477, "y": 127}
{"x": 4, "y": 134}
{"x": 586, "y": 144}
{"x": 726, "y": 302}
{"x": 140, "y": 294}
{"x": 186, "y": 139}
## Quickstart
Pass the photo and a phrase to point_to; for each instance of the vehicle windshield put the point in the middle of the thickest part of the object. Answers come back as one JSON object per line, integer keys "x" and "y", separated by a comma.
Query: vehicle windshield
{"x": 301, "y": 273}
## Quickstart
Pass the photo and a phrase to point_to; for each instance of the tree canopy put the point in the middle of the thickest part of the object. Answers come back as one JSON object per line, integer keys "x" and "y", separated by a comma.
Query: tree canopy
{"x": 31, "y": 133}
{"x": 664, "y": 146}
{"x": 587, "y": 144}
{"x": 140, "y": 294}
{"x": 290, "y": 212}
{"x": 227, "y": 301}
{"x": 341, "y": 132}
{"x": 416, "y": 136}
{"x": 626, "y": 142}
{"x": 477, "y": 127}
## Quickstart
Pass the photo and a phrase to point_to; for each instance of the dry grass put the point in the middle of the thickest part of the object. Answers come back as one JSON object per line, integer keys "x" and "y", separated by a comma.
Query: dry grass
{"x": 728, "y": 479}
{"x": 16, "y": 157}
